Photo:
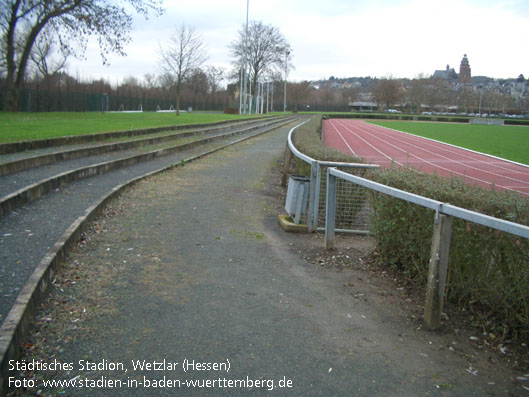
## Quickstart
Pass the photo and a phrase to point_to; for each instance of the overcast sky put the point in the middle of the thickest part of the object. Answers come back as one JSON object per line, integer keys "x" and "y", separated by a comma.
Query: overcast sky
{"x": 341, "y": 38}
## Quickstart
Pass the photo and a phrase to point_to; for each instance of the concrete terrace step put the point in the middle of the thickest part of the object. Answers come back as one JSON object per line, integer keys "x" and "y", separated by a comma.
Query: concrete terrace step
{"x": 14, "y": 147}
{"x": 38, "y": 187}
{"x": 35, "y": 157}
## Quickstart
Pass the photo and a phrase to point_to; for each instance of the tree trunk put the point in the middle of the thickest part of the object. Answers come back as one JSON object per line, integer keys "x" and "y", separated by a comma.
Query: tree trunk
{"x": 11, "y": 96}
{"x": 178, "y": 102}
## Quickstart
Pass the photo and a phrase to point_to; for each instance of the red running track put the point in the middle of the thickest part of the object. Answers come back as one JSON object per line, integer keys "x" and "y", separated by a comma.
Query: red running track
{"x": 384, "y": 146}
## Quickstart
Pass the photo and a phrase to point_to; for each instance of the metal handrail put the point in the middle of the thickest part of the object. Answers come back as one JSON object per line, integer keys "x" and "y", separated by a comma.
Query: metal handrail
{"x": 310, "y": 160}
{"x": 444, "y": 213}
{"x": 440, "y": 208}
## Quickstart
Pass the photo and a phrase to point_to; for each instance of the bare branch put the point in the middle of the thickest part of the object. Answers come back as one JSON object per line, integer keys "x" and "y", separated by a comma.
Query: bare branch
{"x": 263, "y": 49}
{"x": 182, "y": 55}
{"x": 69, "y": 22}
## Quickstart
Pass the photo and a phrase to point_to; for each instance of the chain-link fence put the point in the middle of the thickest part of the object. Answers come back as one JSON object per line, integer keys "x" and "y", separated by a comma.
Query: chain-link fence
{"x": 40, "y": 100}
{"x": 353, "y": 206}
{"x": 353, "y": 209}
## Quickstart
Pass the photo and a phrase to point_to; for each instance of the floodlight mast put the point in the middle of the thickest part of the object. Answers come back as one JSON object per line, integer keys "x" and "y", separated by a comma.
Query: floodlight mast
{"x": 240, "y": 92}
{"x": 267, "y": 94}
{"x": 287, "y": 53}
{"x": 245, "y": 61}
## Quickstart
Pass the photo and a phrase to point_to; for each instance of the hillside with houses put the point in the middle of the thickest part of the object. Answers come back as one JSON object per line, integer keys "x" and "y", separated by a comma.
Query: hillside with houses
{"x": 444, "y": 91}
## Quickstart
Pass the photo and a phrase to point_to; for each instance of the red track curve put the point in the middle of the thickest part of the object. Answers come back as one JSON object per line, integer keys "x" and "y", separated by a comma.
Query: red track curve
{"x": 384, "y": 146}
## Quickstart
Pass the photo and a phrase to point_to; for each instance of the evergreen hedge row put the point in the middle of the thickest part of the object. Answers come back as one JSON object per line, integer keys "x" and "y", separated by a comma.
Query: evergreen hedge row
{"x": 415, "y": 117}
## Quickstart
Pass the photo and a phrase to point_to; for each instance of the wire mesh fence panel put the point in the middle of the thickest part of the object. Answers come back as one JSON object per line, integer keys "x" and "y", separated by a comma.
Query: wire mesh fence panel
{"x": 353, "y": 208}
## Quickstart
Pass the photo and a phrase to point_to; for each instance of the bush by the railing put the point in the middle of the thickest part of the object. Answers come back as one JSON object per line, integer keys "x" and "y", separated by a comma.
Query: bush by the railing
{"x": 399, "y": 116}
{"x": 516, "y": 122}
{"x": 488, "y": 269}
{"x": 230, "y": 110}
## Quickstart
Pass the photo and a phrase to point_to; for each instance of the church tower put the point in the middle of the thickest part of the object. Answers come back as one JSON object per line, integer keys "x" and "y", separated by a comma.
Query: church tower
{"x": 464, "y": 71}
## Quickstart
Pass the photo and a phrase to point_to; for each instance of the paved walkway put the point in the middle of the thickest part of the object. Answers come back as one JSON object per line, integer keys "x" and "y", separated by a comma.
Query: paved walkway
{"x": 193, "y": 269}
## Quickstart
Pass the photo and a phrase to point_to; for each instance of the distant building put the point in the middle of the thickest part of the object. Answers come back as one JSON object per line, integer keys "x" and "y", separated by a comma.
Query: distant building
{"x": 447, "y": 74}
{"x": 464, "y": 71}
{"x": 363, "y": 106}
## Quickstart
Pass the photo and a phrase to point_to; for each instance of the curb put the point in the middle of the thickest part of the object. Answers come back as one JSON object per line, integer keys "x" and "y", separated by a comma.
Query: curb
{"x": 288, "y": 226}
{"x": 17, "y": 323}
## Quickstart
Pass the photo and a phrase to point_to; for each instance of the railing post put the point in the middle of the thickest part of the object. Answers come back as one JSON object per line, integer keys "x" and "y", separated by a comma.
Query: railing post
{"x": 330, "y": 210}
{"x": 286, "y": 165}
{"x": 437, "y": 272}
{"x": 312, "y": 196}
{"x": 316, "y": 209}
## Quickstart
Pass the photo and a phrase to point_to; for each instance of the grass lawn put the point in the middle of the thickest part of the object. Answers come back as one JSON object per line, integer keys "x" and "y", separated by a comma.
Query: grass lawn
{"x": 509, "y": 142}
{"x": 29, "y": 126}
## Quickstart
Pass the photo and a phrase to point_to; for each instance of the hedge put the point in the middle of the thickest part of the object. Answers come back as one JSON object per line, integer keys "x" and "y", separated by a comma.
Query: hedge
{"x": 488, "y": 270}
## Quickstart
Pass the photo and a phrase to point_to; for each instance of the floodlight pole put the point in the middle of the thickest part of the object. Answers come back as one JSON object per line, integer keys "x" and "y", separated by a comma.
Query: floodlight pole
{"x": 272, "y": 99}
{"x": 267, "y": 95}
{"x": 480, "y": 95}
{"x": 240, "y": 93}
{"x": 246, "y": 59}
{"x": 286, "y": 71}
{"x": 262, "y": 97}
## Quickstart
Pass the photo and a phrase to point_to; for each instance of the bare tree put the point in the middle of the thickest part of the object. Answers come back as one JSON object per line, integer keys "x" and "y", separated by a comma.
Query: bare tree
{"x": 47, "y": 60}
{"x": 149, "y": 80}
{"x": 417, "y": 92}
{"x": 70, "y": 22}
{"x": 185, "y": 53}
{"x": 299, "y": 94}
{"x": 215, "y": 77}
{"x": 387, "y": 91}
{"x": 263, "y": 49}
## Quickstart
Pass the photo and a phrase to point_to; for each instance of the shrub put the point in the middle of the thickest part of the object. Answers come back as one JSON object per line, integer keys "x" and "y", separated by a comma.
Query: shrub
{"x": 488, "y": 270}
{"x": 231, "y": 110}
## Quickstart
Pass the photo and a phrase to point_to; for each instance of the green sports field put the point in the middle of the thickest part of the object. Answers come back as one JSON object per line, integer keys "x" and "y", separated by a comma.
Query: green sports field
{"x": 509, "y": 142}
{"x": 28, "y": 126}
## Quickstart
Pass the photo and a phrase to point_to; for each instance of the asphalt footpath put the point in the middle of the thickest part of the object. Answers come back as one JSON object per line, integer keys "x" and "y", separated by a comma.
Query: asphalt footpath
{"x": 188, "y": 286}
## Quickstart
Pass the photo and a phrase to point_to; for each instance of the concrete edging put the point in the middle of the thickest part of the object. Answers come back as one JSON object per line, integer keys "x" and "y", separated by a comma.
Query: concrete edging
{"x": 17, "y": 323}
{"x": 285, "y": 221}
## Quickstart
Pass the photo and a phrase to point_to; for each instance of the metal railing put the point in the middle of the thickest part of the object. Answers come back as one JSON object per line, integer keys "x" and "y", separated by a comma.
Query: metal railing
{"x": 353, "y": 215}
{"x": 339, "y": 199}
{"x": 444, "y": 214}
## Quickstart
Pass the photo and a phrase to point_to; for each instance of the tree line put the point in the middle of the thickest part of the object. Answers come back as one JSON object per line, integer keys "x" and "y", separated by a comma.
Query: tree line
{"x": 435, "y": 94}
{"x": 37, "y": 37}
